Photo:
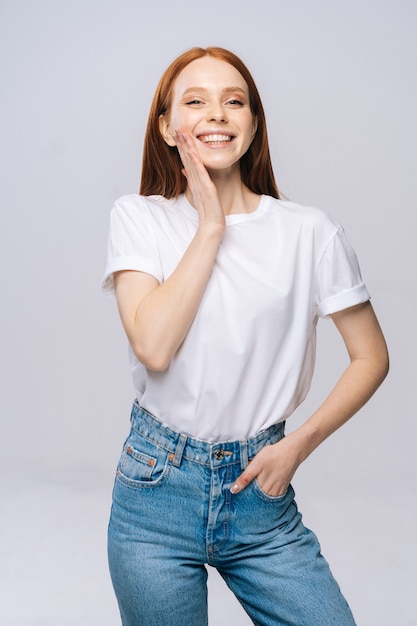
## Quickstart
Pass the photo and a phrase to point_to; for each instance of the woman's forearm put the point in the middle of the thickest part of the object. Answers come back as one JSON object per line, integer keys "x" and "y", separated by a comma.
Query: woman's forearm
{"x": 157, "y": 323}
{"x": 355, "y": 387}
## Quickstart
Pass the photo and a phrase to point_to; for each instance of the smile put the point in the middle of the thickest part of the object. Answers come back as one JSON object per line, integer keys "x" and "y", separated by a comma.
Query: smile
{"x": 216, "y": 139}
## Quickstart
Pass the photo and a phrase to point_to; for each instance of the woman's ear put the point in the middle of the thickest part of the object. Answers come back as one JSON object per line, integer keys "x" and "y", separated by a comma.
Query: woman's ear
{"x": 254, "y": 126}
{"x": 165, "y": 131}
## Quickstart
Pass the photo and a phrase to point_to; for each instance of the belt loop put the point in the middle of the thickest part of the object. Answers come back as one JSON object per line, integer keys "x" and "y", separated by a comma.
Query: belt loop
{"x": 244, "y": 454}
{"x": 176, "y": 458}
{"x": 133, "y": 412}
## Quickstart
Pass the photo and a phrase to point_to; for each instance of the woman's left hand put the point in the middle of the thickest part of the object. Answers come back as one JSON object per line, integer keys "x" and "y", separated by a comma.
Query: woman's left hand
{"x": 273, "y": 467}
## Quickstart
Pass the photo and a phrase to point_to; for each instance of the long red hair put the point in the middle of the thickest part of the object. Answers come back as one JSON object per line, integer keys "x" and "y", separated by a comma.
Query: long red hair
{"x": 161, "y": 164}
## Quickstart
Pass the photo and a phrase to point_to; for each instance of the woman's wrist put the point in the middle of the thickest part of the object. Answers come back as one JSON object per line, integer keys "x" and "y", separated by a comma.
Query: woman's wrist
{"x": 304, "y": 441}
{"x": 211, "y": 229}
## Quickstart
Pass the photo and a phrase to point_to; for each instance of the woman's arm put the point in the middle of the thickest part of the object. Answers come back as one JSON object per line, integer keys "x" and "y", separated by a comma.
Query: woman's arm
{"x": 157, "y": 317}
{"x": 275, "y": 465}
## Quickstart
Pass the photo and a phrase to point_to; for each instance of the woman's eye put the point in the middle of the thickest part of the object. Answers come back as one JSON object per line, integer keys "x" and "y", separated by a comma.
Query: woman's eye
{"x": 236, "y": 102}
{"x": 194, "y": 101}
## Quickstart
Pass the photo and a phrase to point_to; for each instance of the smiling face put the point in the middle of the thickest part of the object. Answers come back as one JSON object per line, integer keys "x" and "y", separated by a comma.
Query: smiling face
{"x": 210, "y": 101}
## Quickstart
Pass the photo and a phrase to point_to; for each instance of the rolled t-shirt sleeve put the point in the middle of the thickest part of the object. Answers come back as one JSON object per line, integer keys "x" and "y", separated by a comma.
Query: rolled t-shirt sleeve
{"x": 339, "y": 278}
{"x": 131, "y": 242}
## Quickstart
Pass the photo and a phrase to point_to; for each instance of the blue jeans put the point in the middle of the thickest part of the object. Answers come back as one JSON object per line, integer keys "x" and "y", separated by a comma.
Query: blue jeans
{"x": 173, "y": 513}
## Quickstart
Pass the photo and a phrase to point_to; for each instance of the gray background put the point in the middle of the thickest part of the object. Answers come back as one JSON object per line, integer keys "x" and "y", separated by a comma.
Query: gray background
{"x": 338, "y": 81}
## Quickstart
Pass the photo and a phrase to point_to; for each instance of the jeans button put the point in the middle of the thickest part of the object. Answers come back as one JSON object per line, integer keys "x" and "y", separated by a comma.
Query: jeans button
{"x": 219, "y": 454}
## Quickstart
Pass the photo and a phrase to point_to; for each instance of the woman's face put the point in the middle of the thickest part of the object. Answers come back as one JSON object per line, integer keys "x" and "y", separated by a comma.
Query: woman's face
{"x": 210, "y": 101}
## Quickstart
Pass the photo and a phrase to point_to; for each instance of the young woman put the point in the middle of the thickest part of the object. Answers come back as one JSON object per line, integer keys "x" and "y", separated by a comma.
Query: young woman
{"x": 220, "y": 284}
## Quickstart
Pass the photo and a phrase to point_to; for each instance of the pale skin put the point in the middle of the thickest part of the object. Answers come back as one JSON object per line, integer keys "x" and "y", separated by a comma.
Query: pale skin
{"x": 157, "y": 317}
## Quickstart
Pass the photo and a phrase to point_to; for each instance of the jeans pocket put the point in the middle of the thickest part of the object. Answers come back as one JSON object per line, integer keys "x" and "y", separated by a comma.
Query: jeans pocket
{"x": 142, "y": 463}
{"x": 267, "y": 498}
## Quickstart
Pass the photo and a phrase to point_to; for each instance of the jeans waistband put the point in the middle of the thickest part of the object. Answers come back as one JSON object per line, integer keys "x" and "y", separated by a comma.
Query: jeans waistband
{"x": 182, "y": 446}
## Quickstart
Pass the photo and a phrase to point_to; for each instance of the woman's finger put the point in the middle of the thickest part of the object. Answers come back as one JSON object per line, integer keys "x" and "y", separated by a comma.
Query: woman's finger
{"x": 190, "y": 158}
{"x": 247, "y": 476}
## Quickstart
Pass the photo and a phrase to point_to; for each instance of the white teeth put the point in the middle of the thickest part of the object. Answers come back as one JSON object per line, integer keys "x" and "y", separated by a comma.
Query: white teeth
{"x": 215, "y": 138}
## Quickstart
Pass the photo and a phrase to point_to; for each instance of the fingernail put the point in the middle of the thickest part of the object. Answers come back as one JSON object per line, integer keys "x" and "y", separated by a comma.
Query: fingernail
{"x": 234, "y": 488}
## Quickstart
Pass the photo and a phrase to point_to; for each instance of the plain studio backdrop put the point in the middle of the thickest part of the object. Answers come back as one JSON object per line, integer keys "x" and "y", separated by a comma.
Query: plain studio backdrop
{"x": 338, "y": 81}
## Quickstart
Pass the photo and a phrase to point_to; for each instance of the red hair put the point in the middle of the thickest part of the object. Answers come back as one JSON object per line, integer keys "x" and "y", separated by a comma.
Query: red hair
{"x": 161, "y": 164}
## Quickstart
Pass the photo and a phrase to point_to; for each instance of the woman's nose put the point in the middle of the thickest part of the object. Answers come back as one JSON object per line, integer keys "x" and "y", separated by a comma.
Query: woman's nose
{"x": 216, "y": 113}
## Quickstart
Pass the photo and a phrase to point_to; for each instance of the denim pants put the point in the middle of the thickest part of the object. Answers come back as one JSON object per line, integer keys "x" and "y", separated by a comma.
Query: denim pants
{"x": 173, "y": 513}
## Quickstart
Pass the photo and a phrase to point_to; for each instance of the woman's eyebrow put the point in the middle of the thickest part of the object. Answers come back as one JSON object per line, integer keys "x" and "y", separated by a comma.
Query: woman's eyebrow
{"x": 225, "y": 90}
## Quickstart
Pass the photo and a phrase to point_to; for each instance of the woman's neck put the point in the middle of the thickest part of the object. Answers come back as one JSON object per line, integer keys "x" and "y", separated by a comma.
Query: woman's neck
{"x": 234, "y": 196}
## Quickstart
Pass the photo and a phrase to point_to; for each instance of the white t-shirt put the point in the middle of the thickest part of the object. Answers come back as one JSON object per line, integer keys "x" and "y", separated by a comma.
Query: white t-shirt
{"x": 248, "y": 358}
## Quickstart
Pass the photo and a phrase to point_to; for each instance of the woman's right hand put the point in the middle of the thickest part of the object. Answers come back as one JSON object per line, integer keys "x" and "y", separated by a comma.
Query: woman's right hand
{"x": 203, "y": 190}
{"x": 157, "y": 317}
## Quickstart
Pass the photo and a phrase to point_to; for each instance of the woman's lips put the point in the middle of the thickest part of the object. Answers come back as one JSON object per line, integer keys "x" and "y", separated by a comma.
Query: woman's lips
{"x": 215, "y": 138}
